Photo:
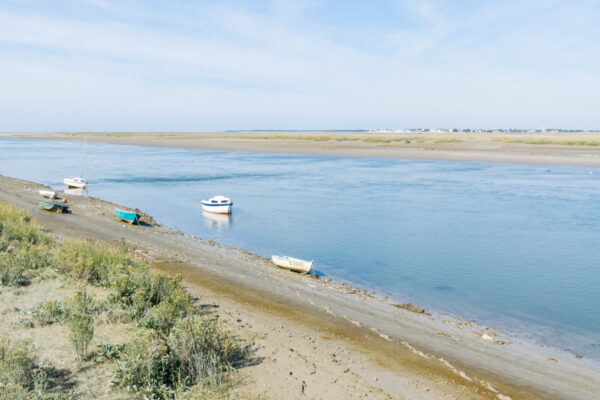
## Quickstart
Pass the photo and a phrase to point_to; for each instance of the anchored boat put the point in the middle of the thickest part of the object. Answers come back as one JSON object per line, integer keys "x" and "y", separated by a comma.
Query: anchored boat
{"x": 293, "y": 264}
{"x": 78, "y": 181}
{"x": 218, "y": 205}
{"x": 60, "y": 208}
{"x": 127, "y": 216}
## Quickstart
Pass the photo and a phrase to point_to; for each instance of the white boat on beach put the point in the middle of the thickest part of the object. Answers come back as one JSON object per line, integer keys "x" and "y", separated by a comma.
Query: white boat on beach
{"x": 218, "y": 205}
{"x": 51, "y": 194}
{"x": 293, "y": 264}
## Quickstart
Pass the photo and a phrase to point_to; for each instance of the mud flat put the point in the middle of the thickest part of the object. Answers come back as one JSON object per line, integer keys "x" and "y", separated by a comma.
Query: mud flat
{"x": 580, "y": 149}
{"x": 321, "y": 339}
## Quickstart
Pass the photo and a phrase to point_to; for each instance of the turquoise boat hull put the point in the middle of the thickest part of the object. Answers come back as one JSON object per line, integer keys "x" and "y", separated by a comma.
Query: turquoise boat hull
{"x": 127, "y": 216}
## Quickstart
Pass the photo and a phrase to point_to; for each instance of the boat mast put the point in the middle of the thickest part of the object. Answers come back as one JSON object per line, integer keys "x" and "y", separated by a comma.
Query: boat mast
{"x": 83, "y": 157}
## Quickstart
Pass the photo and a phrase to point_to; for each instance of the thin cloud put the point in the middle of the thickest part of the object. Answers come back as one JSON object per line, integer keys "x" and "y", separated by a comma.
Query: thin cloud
{"x": 206, "y": 65}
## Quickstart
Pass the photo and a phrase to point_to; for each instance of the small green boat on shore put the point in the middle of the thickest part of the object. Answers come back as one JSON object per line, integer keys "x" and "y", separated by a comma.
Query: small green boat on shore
{"x": 60, "y": 208}
{"x": 127, "y": 216}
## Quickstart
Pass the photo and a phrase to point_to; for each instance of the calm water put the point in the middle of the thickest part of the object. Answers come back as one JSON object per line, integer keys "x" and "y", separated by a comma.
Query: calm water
{"x": 512, "y": 246}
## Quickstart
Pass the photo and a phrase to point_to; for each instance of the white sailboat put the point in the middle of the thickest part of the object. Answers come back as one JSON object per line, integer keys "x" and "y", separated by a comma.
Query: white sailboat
{"x": 78, "y": 181}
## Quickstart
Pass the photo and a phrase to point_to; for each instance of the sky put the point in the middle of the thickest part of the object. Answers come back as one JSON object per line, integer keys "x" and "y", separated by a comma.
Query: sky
{"x": 128, "y": 65}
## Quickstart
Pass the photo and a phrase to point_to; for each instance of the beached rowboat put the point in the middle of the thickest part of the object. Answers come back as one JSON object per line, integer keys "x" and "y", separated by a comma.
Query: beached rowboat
{"x": 218, "y": 205}
{"x": 127, "y": 216}
{"x": 54, "y": 206}
{"x": 293, "y": 264}
{"x": 51, "y": 194}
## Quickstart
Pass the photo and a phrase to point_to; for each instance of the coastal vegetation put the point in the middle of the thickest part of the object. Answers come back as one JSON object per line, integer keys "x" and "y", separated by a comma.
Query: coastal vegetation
{"x": 541, "y": 141}
{"x": 174, "y": 350}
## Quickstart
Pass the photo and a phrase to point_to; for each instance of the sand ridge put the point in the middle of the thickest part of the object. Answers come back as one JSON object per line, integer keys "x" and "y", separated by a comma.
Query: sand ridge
{"x": 578, "y": 149}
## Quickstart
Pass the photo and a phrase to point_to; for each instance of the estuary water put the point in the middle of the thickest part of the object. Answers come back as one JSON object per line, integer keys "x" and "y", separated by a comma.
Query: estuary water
{"x": 512, "y": 246}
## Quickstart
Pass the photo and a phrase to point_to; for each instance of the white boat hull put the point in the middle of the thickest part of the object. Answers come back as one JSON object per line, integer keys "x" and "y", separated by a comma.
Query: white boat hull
{"x": 293, "y": 264}
{"x": 217, "y": 208}
{"x": 75, "y": 183}
{"x": 48, "y": 193}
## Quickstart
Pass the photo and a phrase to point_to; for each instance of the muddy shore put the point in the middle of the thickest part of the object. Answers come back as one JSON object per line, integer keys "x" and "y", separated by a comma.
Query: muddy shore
{"x": 317, "y": 338}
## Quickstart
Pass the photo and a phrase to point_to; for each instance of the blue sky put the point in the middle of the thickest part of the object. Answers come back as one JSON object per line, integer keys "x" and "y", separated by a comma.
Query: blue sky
{"x": 214, "y": 65}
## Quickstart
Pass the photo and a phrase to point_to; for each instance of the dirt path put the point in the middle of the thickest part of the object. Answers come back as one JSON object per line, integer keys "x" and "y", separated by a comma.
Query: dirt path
{"x": 320, "y": 339}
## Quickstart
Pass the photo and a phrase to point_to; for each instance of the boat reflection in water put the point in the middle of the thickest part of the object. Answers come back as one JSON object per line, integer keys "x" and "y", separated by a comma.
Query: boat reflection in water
{"x": 76, "y": 191}
{"x": 213, "y": 220}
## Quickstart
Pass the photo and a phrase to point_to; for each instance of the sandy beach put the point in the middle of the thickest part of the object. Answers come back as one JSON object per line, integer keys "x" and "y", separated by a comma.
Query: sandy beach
{"x": 321, "y": 339}
{"x": 581, "y": 149}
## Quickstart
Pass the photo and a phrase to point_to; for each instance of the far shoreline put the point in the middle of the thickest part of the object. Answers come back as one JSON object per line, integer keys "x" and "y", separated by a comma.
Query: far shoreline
{"x": 578, "y": 149}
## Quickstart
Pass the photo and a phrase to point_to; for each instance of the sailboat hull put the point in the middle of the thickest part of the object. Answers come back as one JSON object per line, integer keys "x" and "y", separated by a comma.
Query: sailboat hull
{"x": 73, "y": 183}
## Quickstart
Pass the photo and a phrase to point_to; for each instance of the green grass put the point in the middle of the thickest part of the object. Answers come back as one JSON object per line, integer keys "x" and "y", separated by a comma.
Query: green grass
{"x": 286, "y": 137}
{"x": 447, "y": 140}
{"x": 24, "y": 247}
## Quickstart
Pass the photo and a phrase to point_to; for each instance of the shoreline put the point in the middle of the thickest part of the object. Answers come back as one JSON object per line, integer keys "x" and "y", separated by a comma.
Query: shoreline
{"x": 395, "y": 337}
{"x": 581, "y": 150}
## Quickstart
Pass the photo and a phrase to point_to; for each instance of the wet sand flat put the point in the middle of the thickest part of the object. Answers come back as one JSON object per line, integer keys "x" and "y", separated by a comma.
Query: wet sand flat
{"x": 582, "y": 149}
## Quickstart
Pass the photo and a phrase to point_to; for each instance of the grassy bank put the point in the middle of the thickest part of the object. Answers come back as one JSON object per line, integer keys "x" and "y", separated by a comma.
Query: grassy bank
{"x": 172, "y": 350}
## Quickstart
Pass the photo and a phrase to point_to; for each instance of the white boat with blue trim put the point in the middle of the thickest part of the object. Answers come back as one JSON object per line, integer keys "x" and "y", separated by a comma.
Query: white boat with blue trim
{"x": 217, "y": 205}
{"x": 294, "y": 264}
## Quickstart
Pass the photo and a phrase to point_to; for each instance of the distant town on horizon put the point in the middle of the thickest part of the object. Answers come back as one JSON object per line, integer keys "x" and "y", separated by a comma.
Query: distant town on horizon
{"x": 425, "y": 130}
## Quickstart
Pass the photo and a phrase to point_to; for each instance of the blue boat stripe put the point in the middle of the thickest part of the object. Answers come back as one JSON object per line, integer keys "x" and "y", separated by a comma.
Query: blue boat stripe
{"x": 215, "y": 205}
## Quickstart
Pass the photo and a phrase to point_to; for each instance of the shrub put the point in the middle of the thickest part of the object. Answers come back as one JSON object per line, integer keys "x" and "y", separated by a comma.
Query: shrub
{"x": 24, "y": 323}
{"x": 16, "y": 227}
{"x": 49, "y": 312}
{"x": 202, "y": 350}
{"x": 82, "y": 331}
{"x": 83, "y": 303}
{"x": 144, "y": 368}
{"x": 17, "y": 266}
{"x": 107, "y": 351}
{"x": 90, "y": 261}
{"x": 156, "y": 299}
{"x": 17, "y": 365}
{"x": 196, "y": 352}
{"x": 20, "y": 376}
{"x": 163, "y": 316}
{"x": 12, "y": 272}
